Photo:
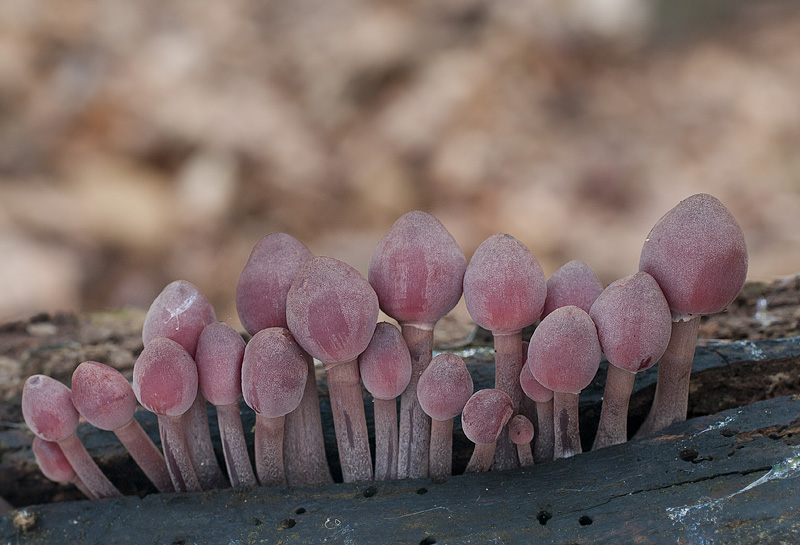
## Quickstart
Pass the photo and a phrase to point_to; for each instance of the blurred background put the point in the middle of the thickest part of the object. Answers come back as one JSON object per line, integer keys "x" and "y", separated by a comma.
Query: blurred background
{"x": 141, "y": 142}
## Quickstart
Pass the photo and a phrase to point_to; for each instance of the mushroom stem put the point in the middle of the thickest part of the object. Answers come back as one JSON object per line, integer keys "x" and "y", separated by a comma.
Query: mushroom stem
{"x": 415, "y": 425}
{"x": 566, "y": 432}
{"x": 237, "y": 461}
{"x": 543, "y": 438}
{"x": 304, "y": 444}
{"x": 671, "y": 399}
{"x": 349, "y": 421}
{"x": 525, "y": 455}
{"x": 481, "y": 459}
{"x": 269, "y": 450}
{"x": 441, "y": 451}
{"x": 86, "y": 469}
{"x": 385, "y": 439}
{"x": 146, "y": 454}
{"x": 201, "y": 450}
{"x": 613, "y": 426}
{"x": 176, "y": 454}
{"x": 508, "y": 364}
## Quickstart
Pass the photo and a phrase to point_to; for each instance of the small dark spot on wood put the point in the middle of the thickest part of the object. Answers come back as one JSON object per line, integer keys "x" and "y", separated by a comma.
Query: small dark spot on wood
{"x": 688, "y": 455}
{"x": 585, "y": 520}
{"x": 256, "y": 522}
{"x": 422, "y": 491}
{"x": 179, "y": 541}
{"x": 429, "y": 540}
{"x": 286, "y": 524}
{"x": 299, "y": 510}
{"x": 729, "y": 432}
{"x": 543, "y": 517}
{"x": 370, "y": 491}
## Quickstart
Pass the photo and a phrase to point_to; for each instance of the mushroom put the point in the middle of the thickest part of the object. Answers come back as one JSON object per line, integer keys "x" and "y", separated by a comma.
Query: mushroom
{"x": 484, "y": 416}
{"x": 697, "y": 254}
{"x": 564, "y": 355}
{"x": 332, "y": 311}
{"x": 633, "y": 323}
{"x": 274, "y": 374}
{"x": 385, "y": 368}
{"x": 106, "y": 400}
{"x": 180, "y": 312}
{"x": 48, "y": 411}
{"x": 261, "y": 303}
{"x": 417, "y": 271}
{"x": 443, "y": 390}
{"x": 220, "y": 350}
{"x": 543, "y": 439}
{"x": 574, "y": 283}
{"x": 165, "y": 383}
{"x": 505, "y": 289}
{"x": 520, "y": 429}
{"x": 55, "y": 466}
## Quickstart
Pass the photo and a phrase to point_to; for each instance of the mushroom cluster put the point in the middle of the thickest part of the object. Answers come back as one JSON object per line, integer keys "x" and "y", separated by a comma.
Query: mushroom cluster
{"x": 296, "y": 308}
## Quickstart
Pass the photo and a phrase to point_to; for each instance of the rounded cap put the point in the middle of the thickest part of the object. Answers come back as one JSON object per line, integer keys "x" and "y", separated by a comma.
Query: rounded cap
{"x": 385, "y": 365}
{"x": 180, "y": 312}
{"x": 564, "y": 352}
{"x": 102, "y": 395}
{"x": 165, "y": 378}
{"x": 265, "y": 281}
{"x": 697, "y": 254}
{"x": 532, "y": 387}
{"x": 504, "y": 285}
{"x": 634, "y": 323}
{"x": 485, "y": 414}
{"x": 220, "y": 350}
{"x": 444, "y": 387}
{"x": 520, "y": 430}
{"x": 52, "y": 462}
{"x": 574, "y": 283}
{"x": 47, "y": 408}
{"x": 331, "y": 310}
{"x": 417, "y": 270}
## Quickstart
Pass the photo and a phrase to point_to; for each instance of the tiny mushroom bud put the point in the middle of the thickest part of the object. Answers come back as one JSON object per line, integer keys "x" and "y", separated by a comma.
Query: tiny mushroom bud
{"x": 55, "y": 466}
{"x": 443, "y": 390}
{"x": 544, "y": 435}
{"x": 697, "y": 254}
{"x": 574, "y": 283}
{"x": 483, "y": 418}
{"x": 520, "y": 429}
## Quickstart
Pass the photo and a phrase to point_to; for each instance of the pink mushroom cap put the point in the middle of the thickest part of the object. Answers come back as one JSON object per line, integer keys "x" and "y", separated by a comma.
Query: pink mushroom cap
{"x": 504, "y": 285}
{"x": 564, "y": 353}
{"x": 102, "y": 395}
{"x": 266, "y": 279}
{"x": 444, "y": 387}
{"x": 385, "y": 365}
{"x": 165, "y": 378}
{"x": 331, "y": 310}
{"x": 220, "y": 350}
{"x": 52, "y": 461}
{"x": 274, "y": 373}
{"x": 180, "y": 312}
{"x": 634, "y": 323}
{"x": 417, "y": 270}
{"x": 697, "y": 254}
{"x": 47, "y": 408}
{"x": 520, "y": 430}
{"x": 574, "y": 283}
{"x": 532, "y": 387}
{"x": 485, "y": 414}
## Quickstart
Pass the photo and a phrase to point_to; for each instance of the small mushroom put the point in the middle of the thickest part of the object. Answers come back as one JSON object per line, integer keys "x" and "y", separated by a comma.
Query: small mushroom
{"x": 520, "y": 429}
{"x": 417, "y": 271}
{"x": 484, "y": 416}
{"x": 697, "y": 254}
{"x": 574, "y": 283}
{"x": 543, "y": 440}
{"x": 443, "y": 390}
{"x": 564, "y": 355}
{"x": 55, "y": 466}
{"x": 49, "y": 413}
{"x": 274, "y": 374}
{"x": 385, "y": 368}
{"x": 106, "y": 400}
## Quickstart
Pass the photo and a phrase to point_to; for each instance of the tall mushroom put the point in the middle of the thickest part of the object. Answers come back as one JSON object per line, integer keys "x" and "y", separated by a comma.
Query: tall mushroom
{"x": 332, "y": 311}
{"x": 484, "y": 416}
{"x": 574, "y": 283}
{"x": 55, "y": 466}
{"x": 697, "y": 254}
{"x": 417, "y": 271}
{"x": 385, "y": 368}
{"x": 505, "y": 290}
{"x": 261, "y": 303}
{"x": 443, "y": 390}
{"x": 543, "y": 440}
{"x": 564, "y": 355}
{"x": 633, "y": 325}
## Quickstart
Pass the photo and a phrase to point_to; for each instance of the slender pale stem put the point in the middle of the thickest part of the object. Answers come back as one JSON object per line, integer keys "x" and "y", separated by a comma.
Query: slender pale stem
{"x": 237, "y": 461}
{"x": 176, "y": 454}
{"x": 508, "y": 363}
{"x": 145, "y": 454}
{"x": 269, "y": 450}
{"x": 304, "y": 444}
{"x": 441, "y": 457}
{"x": 543, "y": 438}
{"x": 82, "y": 487}
{"x": 566, "y": 431}
{"x": 415, "y": 425}
{"x": 613, "y": 426}
{"x": 481, "y": 460}
{"x": 86, "y": 469}
{"x": 385, "y": 439}
{"x": 671, "y": 399}
{"x": 349, "y": 421}
{"x": 525, "y": 455}
{"x": 201, "y": 450}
